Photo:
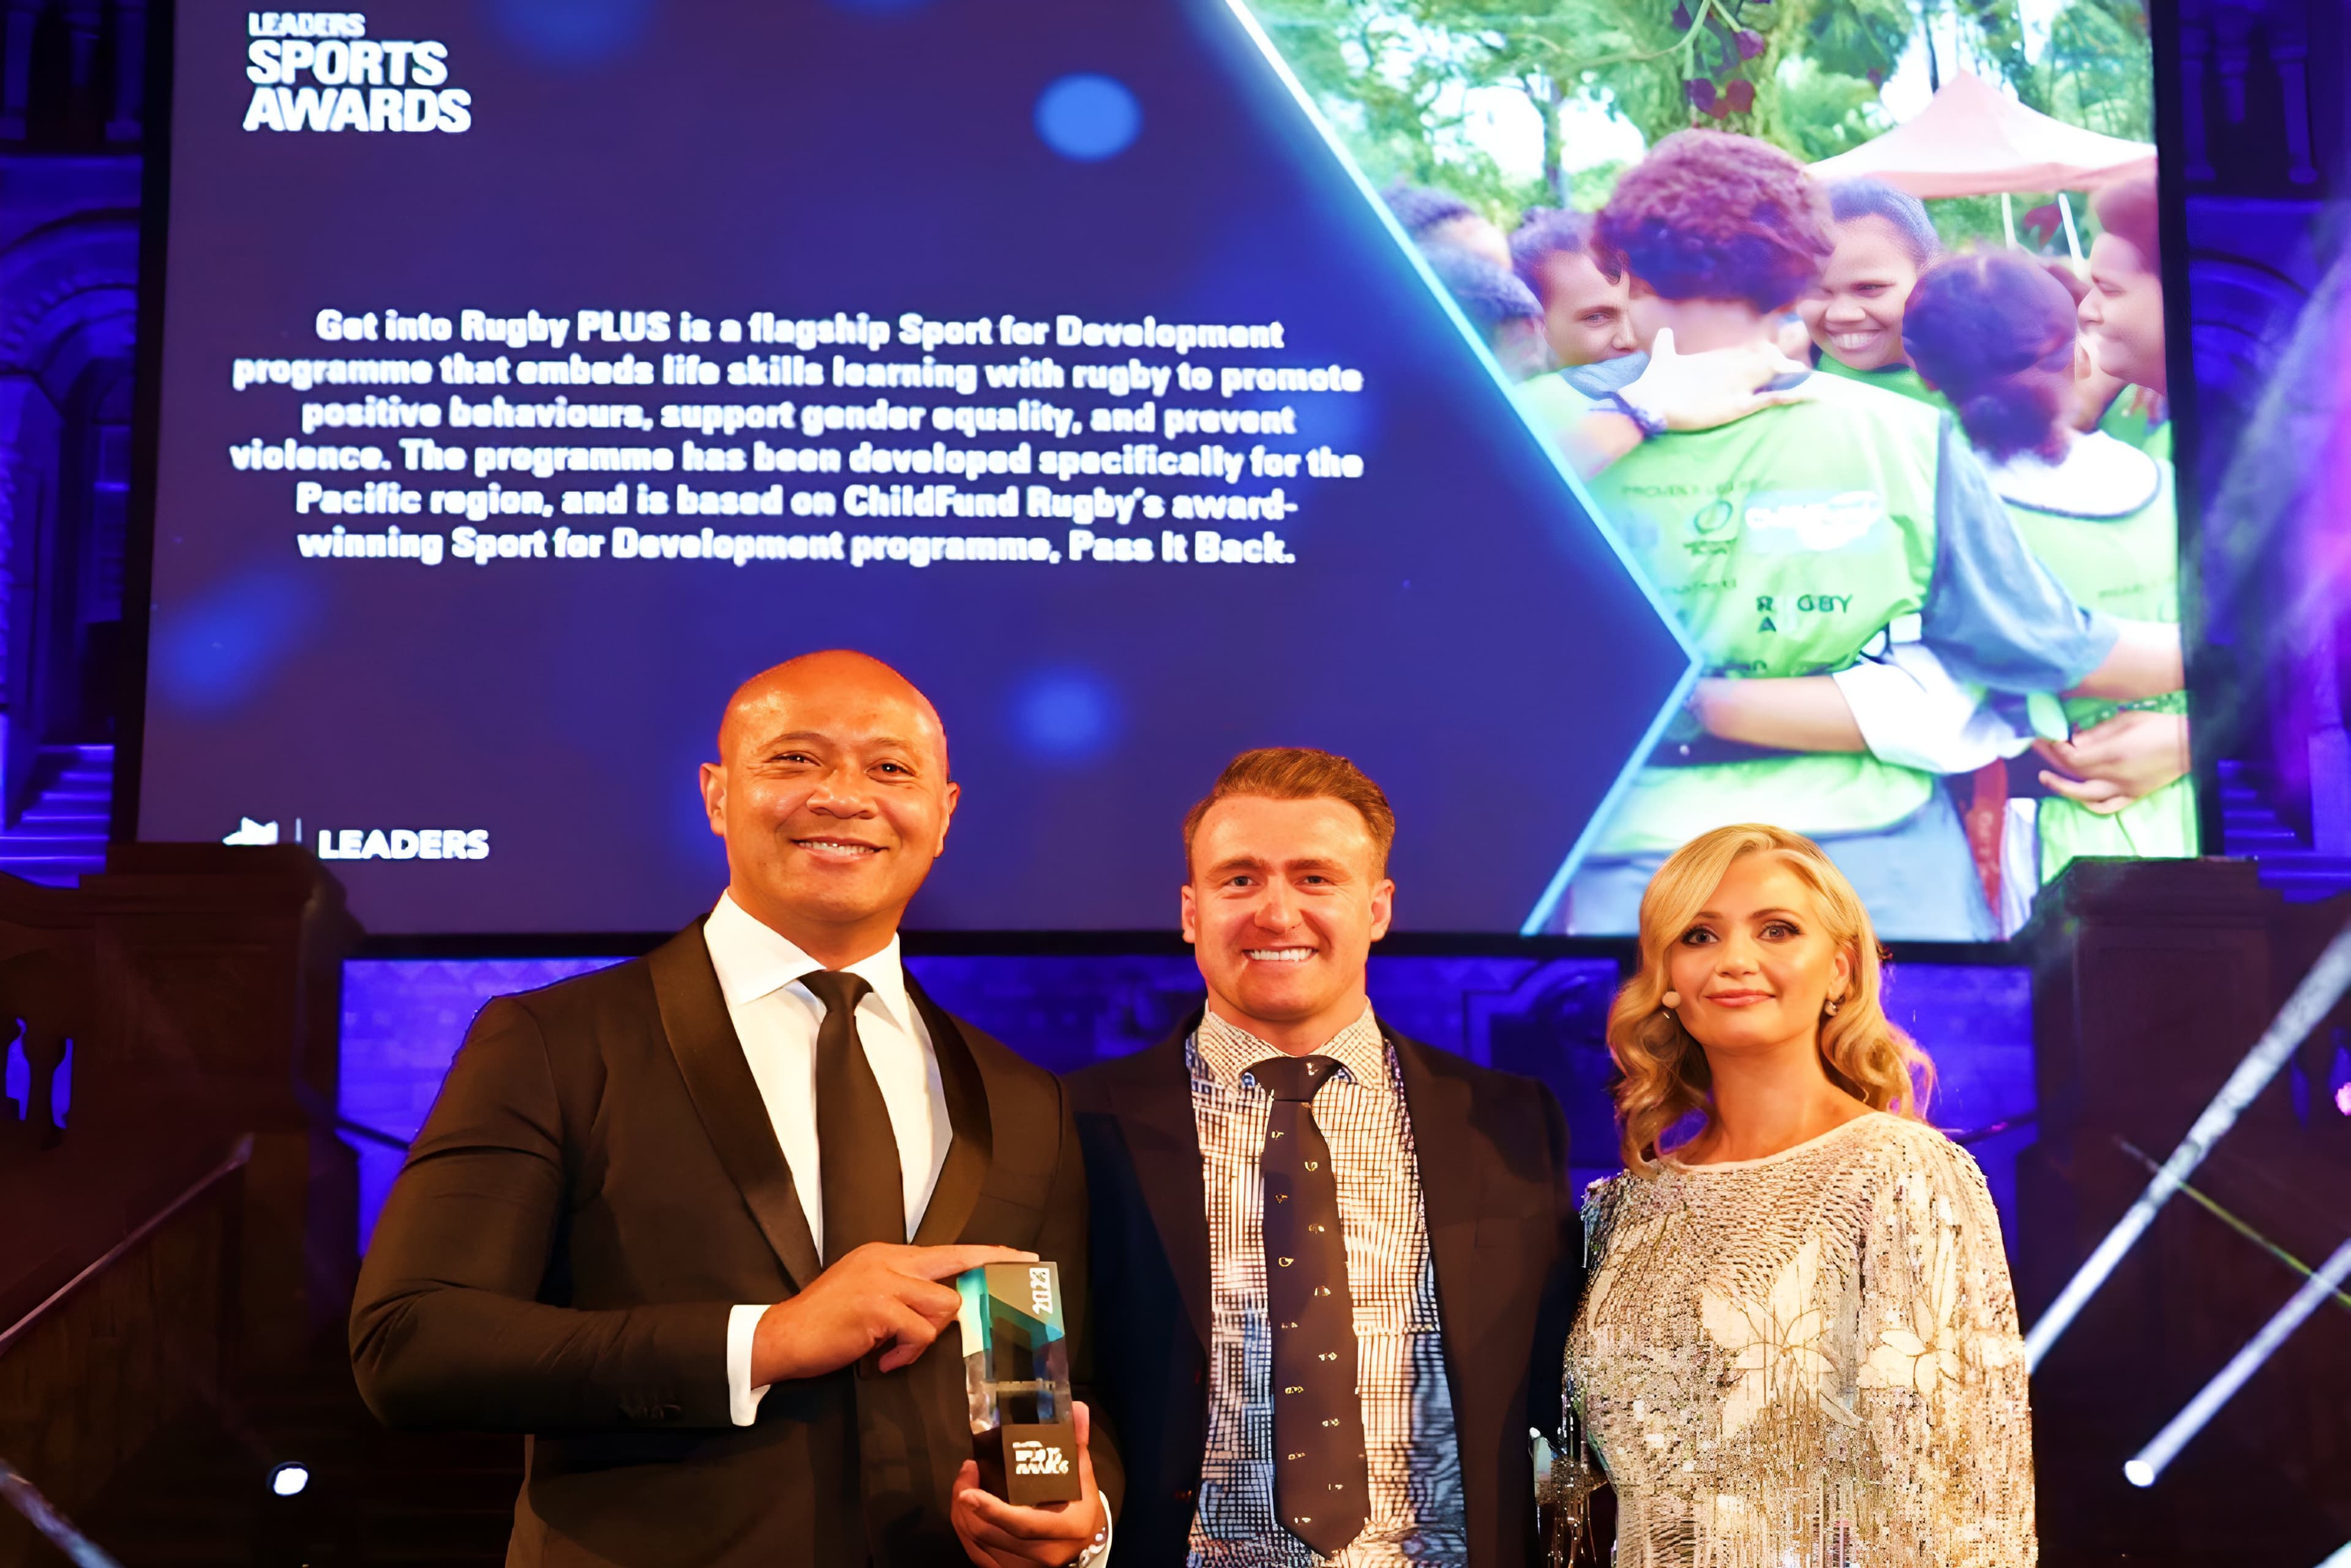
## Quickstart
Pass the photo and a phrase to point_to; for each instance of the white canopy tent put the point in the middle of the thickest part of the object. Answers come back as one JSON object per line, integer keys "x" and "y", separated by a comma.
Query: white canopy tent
{"x": 1972, "y": 140}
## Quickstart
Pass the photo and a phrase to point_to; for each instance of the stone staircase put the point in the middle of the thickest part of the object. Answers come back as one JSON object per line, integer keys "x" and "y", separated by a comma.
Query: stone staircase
{"x": 61, "y": 837}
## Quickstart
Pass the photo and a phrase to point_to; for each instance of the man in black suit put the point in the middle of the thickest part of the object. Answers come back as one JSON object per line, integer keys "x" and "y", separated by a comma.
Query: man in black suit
{"x": 1340, "y": 1265}
{"x": 693, "y": 1221}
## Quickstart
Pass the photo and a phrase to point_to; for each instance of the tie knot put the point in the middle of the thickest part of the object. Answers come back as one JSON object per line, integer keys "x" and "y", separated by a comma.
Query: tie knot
{"x": 837, "y": 989}
{"x": 1294, "y": 1077}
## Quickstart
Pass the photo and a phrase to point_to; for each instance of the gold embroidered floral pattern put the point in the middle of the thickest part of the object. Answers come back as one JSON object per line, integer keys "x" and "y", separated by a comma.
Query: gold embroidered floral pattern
{"x": 1774, "y": 1343}
{"x": 1810, "y": 1361}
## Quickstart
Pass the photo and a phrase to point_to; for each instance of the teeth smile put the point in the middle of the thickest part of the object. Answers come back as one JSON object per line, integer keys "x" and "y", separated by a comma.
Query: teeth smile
{"x": 840, "y": 844}
{"x": 1280, "y": 955}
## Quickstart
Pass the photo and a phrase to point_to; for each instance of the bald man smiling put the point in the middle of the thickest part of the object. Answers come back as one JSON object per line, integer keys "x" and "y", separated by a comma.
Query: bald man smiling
{"x": 693, "y": 1221}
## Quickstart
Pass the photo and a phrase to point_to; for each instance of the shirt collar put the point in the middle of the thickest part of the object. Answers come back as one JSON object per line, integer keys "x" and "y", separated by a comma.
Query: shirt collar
{"x": 1227, "y": 1051}
{"x": 753, "y": 960}
{"x": 2098, "y": 478}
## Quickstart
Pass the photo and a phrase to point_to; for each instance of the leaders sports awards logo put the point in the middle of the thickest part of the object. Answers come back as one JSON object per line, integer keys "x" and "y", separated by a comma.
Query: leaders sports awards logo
{"x": 1031, "y": 1457}
{"x": 319, "y": 70}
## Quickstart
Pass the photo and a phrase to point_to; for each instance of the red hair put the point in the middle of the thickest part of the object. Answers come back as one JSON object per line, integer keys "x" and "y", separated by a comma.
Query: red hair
{"x": 1709, "y": 216}
{"x": 1300, "y": 773}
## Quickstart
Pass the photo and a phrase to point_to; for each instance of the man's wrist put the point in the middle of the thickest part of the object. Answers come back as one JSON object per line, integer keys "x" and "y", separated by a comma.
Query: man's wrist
{"x": 767, "y": 1357}
{"x": 1649, "y": 422}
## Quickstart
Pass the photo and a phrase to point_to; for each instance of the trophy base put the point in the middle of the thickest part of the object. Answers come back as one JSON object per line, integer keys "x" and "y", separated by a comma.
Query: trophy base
{"x": 1042, "y": 1462}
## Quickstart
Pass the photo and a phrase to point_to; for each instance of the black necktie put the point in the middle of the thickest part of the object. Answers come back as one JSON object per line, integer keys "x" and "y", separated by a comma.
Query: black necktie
{"x": 864, "y": 1194}
{"x": 1322, "y": 1482}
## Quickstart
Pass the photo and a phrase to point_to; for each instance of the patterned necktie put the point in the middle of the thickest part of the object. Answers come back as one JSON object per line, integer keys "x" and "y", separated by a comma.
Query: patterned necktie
{"x": 864, "y": 1194}
{"x": 1322, "y": 1482}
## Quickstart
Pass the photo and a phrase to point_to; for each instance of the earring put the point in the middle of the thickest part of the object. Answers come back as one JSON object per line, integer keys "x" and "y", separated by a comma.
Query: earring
{"x": 1670, "y": 1000}
{"x": 1834, "y": 1003}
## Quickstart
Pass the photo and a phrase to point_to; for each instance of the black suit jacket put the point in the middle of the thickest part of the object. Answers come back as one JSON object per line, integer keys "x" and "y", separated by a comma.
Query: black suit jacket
{"x": 1492, "y": 1150}
{"x": 598, "y": 1186}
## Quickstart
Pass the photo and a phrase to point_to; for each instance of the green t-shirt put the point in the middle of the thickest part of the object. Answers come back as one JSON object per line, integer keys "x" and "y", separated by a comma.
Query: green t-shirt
{"x": 2106, "y": 525}
{"x": 1553, "y": 403}
{"x": 1785, "y": 542}
{"x": 1900, "y": 379}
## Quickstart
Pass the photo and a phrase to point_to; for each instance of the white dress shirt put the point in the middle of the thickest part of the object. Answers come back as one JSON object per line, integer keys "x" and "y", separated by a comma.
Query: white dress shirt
{"x": 776, "y": 1018}
{"x": 1415, "y": 1512}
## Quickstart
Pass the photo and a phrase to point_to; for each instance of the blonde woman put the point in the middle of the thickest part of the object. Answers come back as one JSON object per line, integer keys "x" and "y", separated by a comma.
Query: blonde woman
{"x": 1799, "y": 1345}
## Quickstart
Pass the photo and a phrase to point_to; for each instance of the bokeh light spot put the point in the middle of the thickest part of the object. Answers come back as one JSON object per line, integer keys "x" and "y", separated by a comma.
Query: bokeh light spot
{"x": 1067, "y": 713}
{"x": 571, "y": 33}
{"x": 1088, "y": 117}
{"x": 218, "y": 649}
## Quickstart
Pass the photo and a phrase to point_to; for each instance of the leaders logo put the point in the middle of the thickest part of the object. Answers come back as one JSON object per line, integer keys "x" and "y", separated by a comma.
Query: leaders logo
{"x": 403, "y": 843}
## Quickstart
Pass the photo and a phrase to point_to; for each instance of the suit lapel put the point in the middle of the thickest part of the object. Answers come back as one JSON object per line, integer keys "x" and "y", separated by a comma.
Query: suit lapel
{"x": 973, "y": 1145}
{"x": 1155, "y": 1114}
{"x": 726, "y": 1097}
{"x": 1451, "y": 1189}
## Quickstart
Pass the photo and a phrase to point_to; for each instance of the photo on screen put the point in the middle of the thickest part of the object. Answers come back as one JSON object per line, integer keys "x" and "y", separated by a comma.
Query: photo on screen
{"x": 1936, "y": 584}
{"x": 531, "y": 375}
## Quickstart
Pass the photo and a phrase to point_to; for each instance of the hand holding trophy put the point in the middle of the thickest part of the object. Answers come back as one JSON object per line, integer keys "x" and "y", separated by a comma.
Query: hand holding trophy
{"x": 1028, "y": 1495}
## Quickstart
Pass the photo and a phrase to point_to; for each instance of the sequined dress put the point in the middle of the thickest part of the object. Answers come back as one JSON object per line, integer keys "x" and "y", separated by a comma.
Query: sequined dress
{"x": 1807, "y": 1360}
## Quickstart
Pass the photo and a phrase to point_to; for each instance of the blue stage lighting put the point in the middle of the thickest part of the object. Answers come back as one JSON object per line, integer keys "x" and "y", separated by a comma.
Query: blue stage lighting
{"x": 2143, "y": 1467}
{"x": 288, "y": 1480}
{"x": 23, "y": 1496}
{"x": 2311, "y": 1002}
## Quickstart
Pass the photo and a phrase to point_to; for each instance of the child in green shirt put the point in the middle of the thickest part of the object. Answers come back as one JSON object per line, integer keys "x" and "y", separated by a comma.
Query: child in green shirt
{"x": 1854, "y": 310}
{"x": 2122, "y": 315}
{"x": 1996, "y": 334}
{"x": 1792, "y": 543}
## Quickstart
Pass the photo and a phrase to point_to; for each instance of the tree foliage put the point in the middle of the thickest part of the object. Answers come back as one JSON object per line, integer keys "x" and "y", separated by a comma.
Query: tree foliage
{"x": 1394, "y": 86}
{"x": 1996, "y": 31}
{"x": 1396, "y": 74}
{"x": 2099, "y": 68}
{"x": 1861, "y": 38}
{"x": 1827, "y": 112}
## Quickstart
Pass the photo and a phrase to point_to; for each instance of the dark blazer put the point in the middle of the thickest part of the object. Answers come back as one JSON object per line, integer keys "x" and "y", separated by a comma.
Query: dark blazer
{"x": 1492, "y": 1150}
{"x": 598, "y": 1186}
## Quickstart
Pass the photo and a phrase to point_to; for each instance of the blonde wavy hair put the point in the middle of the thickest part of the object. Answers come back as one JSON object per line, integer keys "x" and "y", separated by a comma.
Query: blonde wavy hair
{"x": 1665, "y": 1075}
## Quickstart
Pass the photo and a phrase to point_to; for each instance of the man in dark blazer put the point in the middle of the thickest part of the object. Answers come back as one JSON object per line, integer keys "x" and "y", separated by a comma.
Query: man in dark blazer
{"x": 1338, "y": 1266}
{"x": 693, "y": 1222}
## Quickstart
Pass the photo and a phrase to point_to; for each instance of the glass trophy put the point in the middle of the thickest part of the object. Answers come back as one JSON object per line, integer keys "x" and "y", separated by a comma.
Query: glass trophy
{"x": 1016, "y": 1369}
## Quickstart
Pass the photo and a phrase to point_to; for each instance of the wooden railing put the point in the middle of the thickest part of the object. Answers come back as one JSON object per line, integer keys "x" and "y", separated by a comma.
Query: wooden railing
{"x": 188, "y": 1219}
{"x": 103, "y": 1361}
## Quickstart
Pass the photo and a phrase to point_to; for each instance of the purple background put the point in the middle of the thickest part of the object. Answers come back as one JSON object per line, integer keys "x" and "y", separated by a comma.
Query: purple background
{"x": 402, "y": 1019}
